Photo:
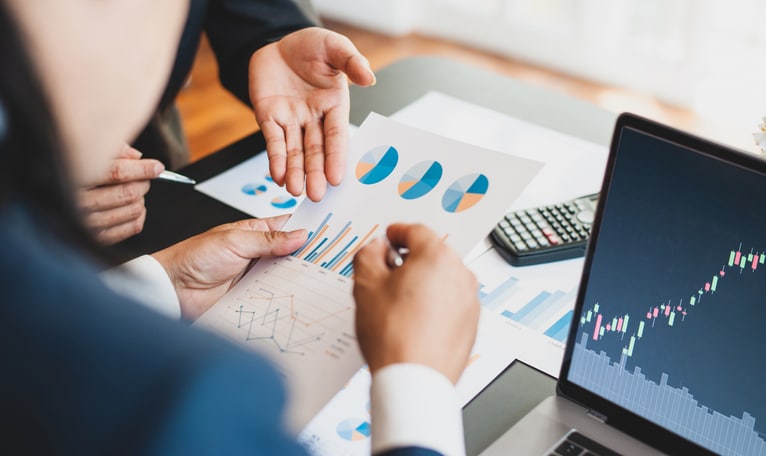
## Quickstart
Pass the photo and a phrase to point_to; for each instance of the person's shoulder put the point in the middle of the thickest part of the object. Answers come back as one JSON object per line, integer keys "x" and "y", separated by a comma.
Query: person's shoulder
{"x": 85, "y": 364}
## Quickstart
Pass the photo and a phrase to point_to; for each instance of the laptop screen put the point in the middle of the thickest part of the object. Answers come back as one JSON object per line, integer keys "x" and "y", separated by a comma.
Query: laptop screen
{"x": 673, "y": 303}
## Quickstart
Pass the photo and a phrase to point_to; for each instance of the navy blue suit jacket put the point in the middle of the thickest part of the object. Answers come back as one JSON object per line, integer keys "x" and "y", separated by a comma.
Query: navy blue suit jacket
{"x": 236, "y": 29}
{"x": 86, "y": 371}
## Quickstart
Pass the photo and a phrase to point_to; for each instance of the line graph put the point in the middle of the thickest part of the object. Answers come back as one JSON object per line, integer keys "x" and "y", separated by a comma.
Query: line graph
{"x": 669, "y": 312}
{"x": 290, "y": 317}
{"x": 299, "y": 315}
{"x": 262, "y": 324}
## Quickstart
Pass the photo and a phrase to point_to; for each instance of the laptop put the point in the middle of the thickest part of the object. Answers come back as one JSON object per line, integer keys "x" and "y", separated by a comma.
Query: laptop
{"x": 664, "y": 354}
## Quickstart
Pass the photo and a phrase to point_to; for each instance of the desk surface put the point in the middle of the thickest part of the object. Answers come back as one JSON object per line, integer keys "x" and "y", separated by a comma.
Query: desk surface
{"x": 176, "y": 212}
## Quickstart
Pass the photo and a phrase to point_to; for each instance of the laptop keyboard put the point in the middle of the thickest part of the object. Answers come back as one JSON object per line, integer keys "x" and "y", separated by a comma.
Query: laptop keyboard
{"x": 576, "y": 444}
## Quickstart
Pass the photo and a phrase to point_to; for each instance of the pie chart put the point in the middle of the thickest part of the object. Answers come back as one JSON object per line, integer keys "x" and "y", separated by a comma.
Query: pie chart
{"x": 465, "y": 192}
{"x": 377, "y": 164}
{"x": 420, "y": 179}
{"x": 284, "y": 202}
{"x": 354, "y": 429}
{"x": 254, "y": 189}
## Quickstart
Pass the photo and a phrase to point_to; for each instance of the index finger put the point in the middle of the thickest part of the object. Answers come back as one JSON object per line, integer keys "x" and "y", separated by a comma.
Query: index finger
{"x": 255, "y": 224}
{"x": 129, "y": 170}
{"x": 414, "y": 237}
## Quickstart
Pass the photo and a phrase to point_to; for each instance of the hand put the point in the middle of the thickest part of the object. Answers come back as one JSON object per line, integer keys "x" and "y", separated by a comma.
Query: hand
{"x": 425, "y": 311}
{"x": 299, "y": 91}
{"x": 204, "y": 267}
{"x": 114, "y": 207}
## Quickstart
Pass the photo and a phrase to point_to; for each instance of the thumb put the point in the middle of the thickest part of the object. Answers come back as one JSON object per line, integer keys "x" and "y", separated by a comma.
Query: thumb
{"x": 343, "y": 55}
{"x": 256, "y": 244}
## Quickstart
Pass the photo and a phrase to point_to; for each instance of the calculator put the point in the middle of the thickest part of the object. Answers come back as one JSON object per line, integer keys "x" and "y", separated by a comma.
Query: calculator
{"x": 546, "y": 233}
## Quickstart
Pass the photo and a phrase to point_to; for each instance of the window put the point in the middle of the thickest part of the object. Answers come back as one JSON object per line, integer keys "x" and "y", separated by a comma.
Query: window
{"x": 706, "y": 55}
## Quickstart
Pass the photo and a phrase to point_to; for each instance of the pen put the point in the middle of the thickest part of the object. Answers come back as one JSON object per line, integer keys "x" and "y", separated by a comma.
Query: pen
{"x": 395, "y": 255}
{"x": 175, "y": 177}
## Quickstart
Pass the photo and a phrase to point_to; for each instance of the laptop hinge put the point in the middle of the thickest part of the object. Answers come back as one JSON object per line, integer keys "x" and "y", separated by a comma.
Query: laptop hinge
{"x": 596, "y": 416}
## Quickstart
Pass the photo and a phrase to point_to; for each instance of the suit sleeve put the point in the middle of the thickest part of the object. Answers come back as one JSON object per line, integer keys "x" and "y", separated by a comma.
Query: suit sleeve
{"x": 237, "y": 28}
{"x": 230, "y": 405}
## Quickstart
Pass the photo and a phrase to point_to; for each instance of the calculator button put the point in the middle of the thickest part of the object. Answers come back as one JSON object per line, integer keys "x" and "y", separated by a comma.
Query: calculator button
{"x": 526, "y": 236}
{"x": 521, "y": 247}
{"x": 514, "y": 238}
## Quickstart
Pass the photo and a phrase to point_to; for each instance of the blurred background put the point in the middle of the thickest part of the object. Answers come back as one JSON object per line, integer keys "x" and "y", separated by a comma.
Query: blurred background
{"x": 699, "y": 65}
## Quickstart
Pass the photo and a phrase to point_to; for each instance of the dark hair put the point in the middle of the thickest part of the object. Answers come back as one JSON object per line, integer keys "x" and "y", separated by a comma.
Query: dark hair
{"x": 32, "y": 162}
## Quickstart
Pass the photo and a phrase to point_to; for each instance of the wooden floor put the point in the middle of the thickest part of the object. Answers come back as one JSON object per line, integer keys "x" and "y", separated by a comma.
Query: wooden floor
{"x": 213, "y": 118}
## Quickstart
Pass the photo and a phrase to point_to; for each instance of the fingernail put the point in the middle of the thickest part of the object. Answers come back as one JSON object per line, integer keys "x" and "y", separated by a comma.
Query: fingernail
{"x": 158, "y": 168}
{"x": 374, "y": 79}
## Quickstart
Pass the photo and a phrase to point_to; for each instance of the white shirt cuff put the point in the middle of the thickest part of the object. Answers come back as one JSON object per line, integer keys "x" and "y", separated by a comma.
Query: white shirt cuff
{"x": 145, "y": 280}
{"x": 414, "y": 405}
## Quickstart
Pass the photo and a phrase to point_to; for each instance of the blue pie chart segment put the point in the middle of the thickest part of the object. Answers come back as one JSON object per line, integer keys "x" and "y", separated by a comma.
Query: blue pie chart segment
{"x": 354, "y": 430}
{"x": 254, "y": 189}
{"x": 420, "y": 179}
{"x": 465, "y": 192}
{"x": 284, "y": 202}
{"x": 377, "y": 164}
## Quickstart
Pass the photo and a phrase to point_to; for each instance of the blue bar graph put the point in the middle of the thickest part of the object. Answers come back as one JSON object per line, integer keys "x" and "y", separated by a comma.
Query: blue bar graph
{"x": 328, "y": 247}
{"x": 527, "y": 312}
{"x": 539, "y": 312}
{"x": 670, "y": 407}
{"x": 499, "y": 295}
{"x": 560, "y": 329}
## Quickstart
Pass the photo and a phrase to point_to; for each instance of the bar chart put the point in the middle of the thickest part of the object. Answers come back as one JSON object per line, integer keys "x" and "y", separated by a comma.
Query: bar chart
{"x": 674, "y": 408}
{"x": 538, "y": 297}
{"x": 538, "y": 312}
{"x": 333, "y": 247}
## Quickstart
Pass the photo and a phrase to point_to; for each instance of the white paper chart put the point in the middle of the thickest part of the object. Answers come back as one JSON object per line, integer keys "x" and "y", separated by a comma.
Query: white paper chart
{"x": 299, "y": 309}
{"x": 250, "y": 188}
